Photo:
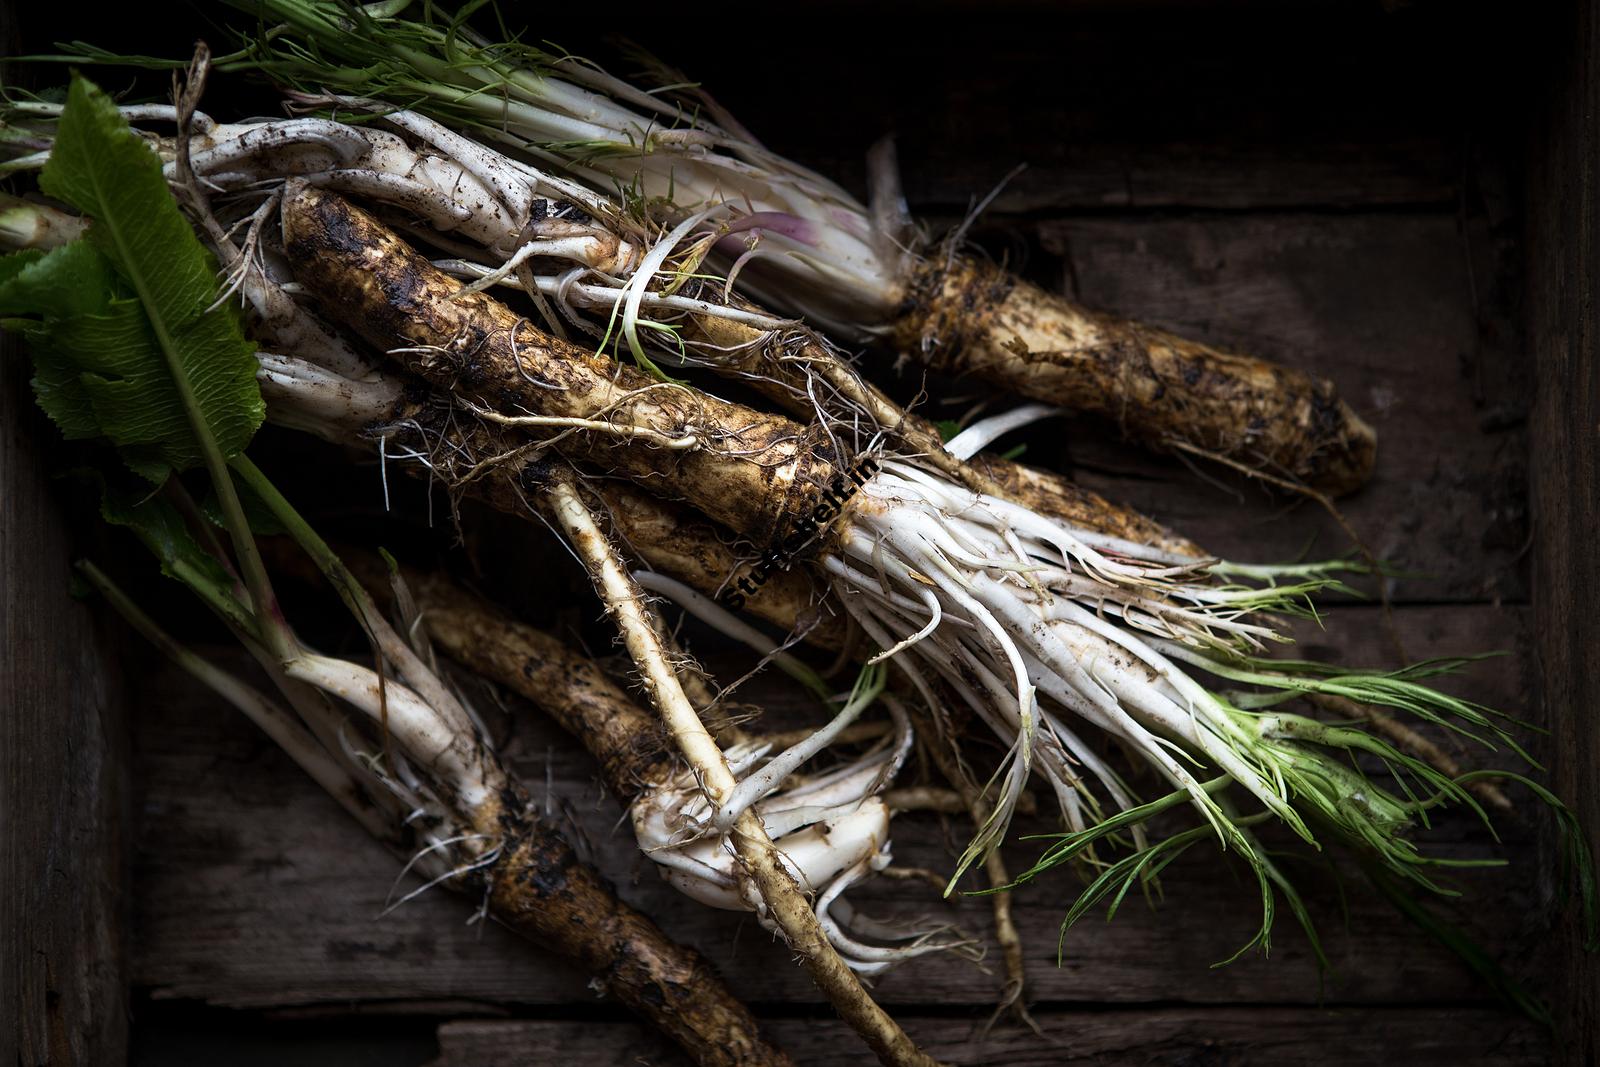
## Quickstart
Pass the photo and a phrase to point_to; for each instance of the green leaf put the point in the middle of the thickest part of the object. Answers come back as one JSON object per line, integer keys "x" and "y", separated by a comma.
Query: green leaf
{"x": 13, "y": 265}
{"x": 71, "y": 280}
{"x": 61, "y": 394}
{"x": 55, "y": 286}
{"x": 263, "y": 522}
{"x": 160, "y": 525}
{"x": 126, "y": 340}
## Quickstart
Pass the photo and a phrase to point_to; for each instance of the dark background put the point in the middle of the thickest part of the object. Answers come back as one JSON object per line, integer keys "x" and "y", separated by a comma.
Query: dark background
{"x": 1341, "y": 186}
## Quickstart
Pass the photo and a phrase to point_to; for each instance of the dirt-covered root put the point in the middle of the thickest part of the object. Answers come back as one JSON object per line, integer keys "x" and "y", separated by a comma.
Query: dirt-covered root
{"x": 424, "y": 433}
{"x": 800, "y": 371}
{"x": 565, "y": 684}
{"x": 1161, "y": 389}
{"x": 781, "y": 899}
{"x": 760, "y": 474}
{"x": 539, "y": 887}
{"x": 673, "y": 540}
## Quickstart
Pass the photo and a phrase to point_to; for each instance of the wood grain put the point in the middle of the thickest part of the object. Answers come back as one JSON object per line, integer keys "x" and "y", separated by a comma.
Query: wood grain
{"x": 1446, "y": 504}
{"x": 62, "y": 776}
{"x": 1163, "y": 110}
{"x": 1175, "y": 1037}
{"x": 63, "y": 785}
{"x": 1564, "y": 286}
{"x": 258, "y": 894}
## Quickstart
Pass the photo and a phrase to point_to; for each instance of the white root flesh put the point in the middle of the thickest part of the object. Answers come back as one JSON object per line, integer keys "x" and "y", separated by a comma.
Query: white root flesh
{"x": 430, "y": 738}
{"x": 1031, "y": 622}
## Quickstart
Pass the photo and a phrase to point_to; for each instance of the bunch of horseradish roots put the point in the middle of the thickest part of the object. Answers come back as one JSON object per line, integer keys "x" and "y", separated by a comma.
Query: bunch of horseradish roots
{"x": 522, "y": 279}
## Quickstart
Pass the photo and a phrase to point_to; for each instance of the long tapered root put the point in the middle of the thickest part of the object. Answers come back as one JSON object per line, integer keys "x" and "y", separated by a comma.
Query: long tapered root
{"x": 538, "y": 887}
{"x": 798, "y": 369}
{"x": 975, "y": 318}
{"x": 783, "y": 901}
{"x": 758, "y": 473}
{"x": 568, "y": 686}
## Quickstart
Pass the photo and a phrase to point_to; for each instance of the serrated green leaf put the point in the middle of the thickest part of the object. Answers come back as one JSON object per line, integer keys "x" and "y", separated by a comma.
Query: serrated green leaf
{"x": 153, "y": 518}
{"x": 67, "y": 281}
{"x": 160, "y": 526}
{"x": 126, "y": 339}
{"x": 59, "y": 391}
{"x": 15, "y": 264}
{"x": 74, "y": 279}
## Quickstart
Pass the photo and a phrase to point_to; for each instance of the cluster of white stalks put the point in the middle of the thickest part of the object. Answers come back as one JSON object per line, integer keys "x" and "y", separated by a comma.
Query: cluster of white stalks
{"x": 575, "y": 252}
{"x": 414, "y": 764}
{"x": 439, "y": 777}
{"x": 831, "y": 830}
{"x": 667, "y": 153}
{"x": 1038, "y": 626}
{"x": 1041, "y": 628}
{"x": 1034, "y": 624}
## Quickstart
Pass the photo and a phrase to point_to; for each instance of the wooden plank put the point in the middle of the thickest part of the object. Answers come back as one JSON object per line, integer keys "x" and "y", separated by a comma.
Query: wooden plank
{"x": 62, "y": 787}
{"x": 1072, "y": 176}
{"x": 1174, "y": 1036}
{"x": 179, "y": 1035}
{"x": 1448, "y": 501}
{"x": 257, "y": 893}
{"x": 1563, "y": 288}
{"x": 63, "y": 790}
{"x": 1165, "y": 111}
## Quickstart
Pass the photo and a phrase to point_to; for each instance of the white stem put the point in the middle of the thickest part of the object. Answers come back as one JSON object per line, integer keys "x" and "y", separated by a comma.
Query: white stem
{"x": 770, "y": 777}
{"x": 426, "y": 736}
{"x": 307, "y": 397}
{"x": 981, "y": 434}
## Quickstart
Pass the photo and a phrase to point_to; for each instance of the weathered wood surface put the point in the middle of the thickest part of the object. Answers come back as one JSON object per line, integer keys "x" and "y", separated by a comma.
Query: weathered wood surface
{"x": 257, "y": 893}
{"x": 63, "y": 802}
{"x": 1447, "y": 504}
{"x": 1564, "y": 291}
{"x": 63, "y": 974}
{"x": 63, "y": 796}
{"x": 1177, "y": 1037}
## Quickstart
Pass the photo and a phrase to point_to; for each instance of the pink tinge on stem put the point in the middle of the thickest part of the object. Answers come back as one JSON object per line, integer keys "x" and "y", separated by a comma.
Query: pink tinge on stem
{"x": 780, "y": 222}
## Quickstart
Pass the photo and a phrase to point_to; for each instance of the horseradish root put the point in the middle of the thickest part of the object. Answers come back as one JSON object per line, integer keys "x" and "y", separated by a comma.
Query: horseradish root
{"x": 974, "y": 318}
